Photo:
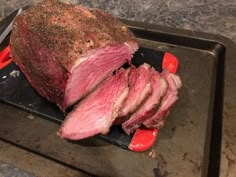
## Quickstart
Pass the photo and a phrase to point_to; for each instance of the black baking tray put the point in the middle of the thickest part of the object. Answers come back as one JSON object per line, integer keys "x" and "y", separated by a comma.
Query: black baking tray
{"x": 192, "y": 134}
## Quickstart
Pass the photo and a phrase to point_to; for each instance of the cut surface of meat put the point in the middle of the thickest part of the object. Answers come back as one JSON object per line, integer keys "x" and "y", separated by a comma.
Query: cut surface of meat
{"x": 148, "y": 108}
{"x": 88, "y": 74}
{"x": 95, "y": 113}
{"x": 170, "y": 97}
{"x": 139, "y": 89}
{"x": 65, "y": 50}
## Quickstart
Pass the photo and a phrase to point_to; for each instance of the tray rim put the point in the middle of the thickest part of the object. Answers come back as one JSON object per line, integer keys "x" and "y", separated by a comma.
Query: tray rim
{"x": 229, "y": 44}
{"x": 229, "y": 63}
{"x": 180, "y": 32}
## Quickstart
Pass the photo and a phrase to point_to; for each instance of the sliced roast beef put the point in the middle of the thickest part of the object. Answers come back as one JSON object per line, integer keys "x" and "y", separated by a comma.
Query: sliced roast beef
{"x": 65, "y": 50}
{"x": 139, "y": 89}
{"x": 148, "y": 108}
{"x": 171, "y": 96}
{"x": 95, "y": 114}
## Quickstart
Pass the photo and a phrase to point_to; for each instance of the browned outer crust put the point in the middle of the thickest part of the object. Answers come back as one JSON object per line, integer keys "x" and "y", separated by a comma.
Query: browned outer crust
{"x": 48, "y": 39}
{"x": 70, "y": 30}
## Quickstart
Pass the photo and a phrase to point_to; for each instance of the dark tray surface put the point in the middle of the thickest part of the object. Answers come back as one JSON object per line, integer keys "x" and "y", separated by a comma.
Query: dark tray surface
{"x": 183, "y": 144}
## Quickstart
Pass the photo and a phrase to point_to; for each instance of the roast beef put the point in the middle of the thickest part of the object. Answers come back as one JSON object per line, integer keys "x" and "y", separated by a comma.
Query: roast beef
{"x": 65, "y": 50}
{"x": 72, "y": 54}
{"x": 148, "y": 108}
{"x": 171, "y": 96}
{"x": 139, "y": 89}
{"x": 95, "y": 113}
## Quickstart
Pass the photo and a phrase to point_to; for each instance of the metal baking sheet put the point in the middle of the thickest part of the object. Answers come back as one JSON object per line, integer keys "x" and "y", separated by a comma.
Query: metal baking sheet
{"x": 189, "y": 143}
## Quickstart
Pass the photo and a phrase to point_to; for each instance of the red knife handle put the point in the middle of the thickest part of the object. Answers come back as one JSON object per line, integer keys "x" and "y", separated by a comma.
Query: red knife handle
{"x": 144, "y": 138}
{"x": 5, "y": 58}
{"x": 170, "y": 62}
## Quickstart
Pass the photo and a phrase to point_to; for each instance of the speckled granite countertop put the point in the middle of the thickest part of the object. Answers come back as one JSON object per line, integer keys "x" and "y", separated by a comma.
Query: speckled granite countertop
{"x": 211, "y": 16}
{"x": 11, "y": 171}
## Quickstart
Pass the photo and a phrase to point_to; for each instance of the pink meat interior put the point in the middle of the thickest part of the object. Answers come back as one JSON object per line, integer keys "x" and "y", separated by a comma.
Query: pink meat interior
{"x": 148, "y": 108}
{"x": 94, "y": 68}
{"x": 139, "y": 88}
{"x": 170, "y": 97}
{"x": 95, "y": 113}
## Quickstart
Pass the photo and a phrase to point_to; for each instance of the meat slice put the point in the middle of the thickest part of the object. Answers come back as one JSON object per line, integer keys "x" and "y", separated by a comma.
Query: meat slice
{"x": 148, "y": 108}
{"x": 65, "y": 50}
{"x": 95, "y": 114}
{"x": 171, "y": 96}
{"x": 139, "y": 89}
